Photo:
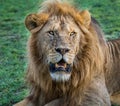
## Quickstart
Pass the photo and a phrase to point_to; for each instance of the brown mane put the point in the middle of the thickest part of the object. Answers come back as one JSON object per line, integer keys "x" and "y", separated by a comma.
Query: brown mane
{"x": 89, "y": 60}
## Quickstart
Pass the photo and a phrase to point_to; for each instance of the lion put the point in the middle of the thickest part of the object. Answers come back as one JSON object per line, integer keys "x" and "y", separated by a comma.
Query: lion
{"x": 70, "y": 62}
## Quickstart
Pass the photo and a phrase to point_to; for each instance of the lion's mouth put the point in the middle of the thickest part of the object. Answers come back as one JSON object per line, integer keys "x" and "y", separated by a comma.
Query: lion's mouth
{"x": 60, "y": 66}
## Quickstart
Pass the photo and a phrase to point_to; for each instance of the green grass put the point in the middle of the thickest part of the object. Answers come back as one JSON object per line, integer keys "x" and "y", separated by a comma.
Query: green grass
{"x": 13, "y": 38}
{"x": 107, "y": 14}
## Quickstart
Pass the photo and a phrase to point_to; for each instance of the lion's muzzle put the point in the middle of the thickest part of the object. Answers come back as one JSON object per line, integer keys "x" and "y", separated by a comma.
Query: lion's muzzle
{"x": 60, "y": 62}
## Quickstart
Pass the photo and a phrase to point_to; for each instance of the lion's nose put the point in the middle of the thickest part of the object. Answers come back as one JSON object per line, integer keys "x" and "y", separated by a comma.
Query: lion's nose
{"x": 62, "y": 50}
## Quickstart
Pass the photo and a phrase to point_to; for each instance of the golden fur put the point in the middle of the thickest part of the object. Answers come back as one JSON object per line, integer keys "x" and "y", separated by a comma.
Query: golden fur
{"x": 112, "y": 73}
{"x": 88, "y": 85}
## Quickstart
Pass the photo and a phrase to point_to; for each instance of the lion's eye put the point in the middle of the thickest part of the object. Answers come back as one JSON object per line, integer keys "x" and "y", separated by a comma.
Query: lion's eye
{"x": 73, "y": 33}
{"x": 51, "y": 32}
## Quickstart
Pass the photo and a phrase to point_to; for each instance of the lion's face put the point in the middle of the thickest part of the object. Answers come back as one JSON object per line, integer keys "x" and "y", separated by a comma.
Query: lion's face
{"x": 59, "y": 41}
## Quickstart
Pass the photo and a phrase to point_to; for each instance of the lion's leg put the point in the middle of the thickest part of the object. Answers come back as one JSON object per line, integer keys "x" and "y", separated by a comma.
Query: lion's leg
{"x": 24, "y": 102}
{"x": 116, "y": 99}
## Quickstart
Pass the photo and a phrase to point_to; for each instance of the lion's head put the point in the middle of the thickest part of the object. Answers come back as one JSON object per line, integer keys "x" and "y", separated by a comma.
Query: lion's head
{"x": 63, "y": 46}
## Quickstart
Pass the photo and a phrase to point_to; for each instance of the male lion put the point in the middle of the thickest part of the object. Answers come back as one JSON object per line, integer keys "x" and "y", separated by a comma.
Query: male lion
{"x": 70, "y": 63}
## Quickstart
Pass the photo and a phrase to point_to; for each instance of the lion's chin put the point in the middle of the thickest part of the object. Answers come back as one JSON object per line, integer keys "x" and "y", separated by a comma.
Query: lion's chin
{"x": 60, "y": 76}
{"x": 60, "y": 71}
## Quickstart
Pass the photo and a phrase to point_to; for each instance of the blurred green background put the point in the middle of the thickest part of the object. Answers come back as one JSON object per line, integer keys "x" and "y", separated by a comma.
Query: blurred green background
{"x": 14, "y": 35}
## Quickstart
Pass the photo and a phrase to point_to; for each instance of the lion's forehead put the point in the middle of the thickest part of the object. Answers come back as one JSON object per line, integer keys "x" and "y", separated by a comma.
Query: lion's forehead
{"x": 62, "y": 23}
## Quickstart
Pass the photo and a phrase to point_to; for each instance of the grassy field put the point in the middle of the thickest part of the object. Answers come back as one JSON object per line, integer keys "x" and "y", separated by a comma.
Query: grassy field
{"x": 13, "y": 38}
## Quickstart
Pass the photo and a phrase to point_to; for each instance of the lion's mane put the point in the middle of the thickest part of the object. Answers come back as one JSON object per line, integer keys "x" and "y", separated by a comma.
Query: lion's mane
{"x": 89, "y": 60}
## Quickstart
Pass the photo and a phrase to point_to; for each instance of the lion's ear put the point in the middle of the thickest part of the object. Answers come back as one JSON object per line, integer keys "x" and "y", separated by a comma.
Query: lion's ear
{"x": 34, "y": 22}
{"x": 86, "y": 17}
